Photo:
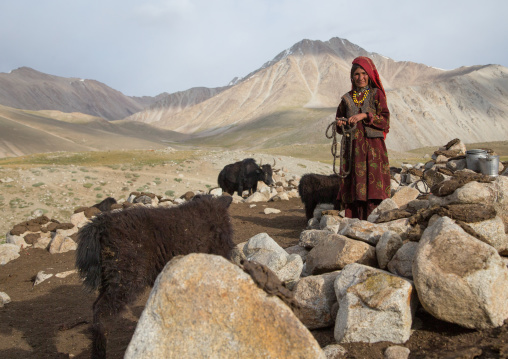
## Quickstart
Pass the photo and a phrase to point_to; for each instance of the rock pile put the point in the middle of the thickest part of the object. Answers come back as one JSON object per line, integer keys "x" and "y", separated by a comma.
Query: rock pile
{"x": 439, "y": 242}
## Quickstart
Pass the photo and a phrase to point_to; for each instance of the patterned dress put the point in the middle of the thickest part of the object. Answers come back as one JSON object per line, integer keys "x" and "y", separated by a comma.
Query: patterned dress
{"x": 369, "y": 181}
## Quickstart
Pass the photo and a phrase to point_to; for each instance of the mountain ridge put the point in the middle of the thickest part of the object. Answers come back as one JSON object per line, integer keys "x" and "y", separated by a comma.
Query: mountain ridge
{"x": 291, "y": 99}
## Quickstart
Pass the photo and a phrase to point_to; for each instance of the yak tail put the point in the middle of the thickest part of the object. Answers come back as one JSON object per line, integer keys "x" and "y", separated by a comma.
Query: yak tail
{"x": 88, "y": 255}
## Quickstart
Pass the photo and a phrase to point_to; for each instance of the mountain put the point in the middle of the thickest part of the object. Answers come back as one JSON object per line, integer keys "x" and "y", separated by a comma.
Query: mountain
{"x": 289, "y": 100}
{"x": 169, "y": 104}
{"x": 25, "y": 132}
{"x": 292, "y": 98}
{"x": 28, "y": 89}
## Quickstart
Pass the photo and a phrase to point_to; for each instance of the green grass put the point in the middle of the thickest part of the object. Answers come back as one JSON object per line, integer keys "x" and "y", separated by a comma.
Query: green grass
{"x": 136, "y": 160}
{"x": 128, "y": 159}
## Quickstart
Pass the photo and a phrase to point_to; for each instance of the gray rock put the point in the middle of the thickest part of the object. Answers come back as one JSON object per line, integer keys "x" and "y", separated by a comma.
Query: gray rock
{"x": 263, "y": 249}
{"x": 313, "y": 223}
{"x": 397, "y": 352}
{"x": 262, "y": 241}
{"x": 61, "y": 244}
{"x": 493, "y": 230}
{"x": 460, "y": 279}
{"x": 405, "y": 195}
{"x": 271, "y": 211}
{"x": 329, "y": 221}
{"x": 402, "y": 262}
{"x": 315, "y": 297}
{"x": 320, "y": 208}
{"x": 364, "y": 231}
{"x": 456, "y": 165}
{"x": 4, "y": 299}
{"x": 16, "y": 240}
{"x": 258, "y": 197}
{"x": 79, "y": 219}
{"x": 302, "y": 252}
{"x": 388, "y": 245}
{"x": 311, "y": 237}
{"x": 237, "y": 254}
{"x": 335, "y": 351}
{"x": 386, "y": 205}
{"x": 194, "y": 313}
{"x": 41, "y": 277}
{"x": 336, "y": 251}
{"x": 216, "y": 192}
{"x": 8, "y": 252}
{"x": 374, "y": 306}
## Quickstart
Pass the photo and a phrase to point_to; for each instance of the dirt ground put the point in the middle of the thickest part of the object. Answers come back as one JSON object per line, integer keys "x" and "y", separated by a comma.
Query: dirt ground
{"x": 52, "y": 319}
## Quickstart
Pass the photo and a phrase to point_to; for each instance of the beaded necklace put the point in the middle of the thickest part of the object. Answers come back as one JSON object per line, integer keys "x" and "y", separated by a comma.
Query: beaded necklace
{"x": 365, "y": 93}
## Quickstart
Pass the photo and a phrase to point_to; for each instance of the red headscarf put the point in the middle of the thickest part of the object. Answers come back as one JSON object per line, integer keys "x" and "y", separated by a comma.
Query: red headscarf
{"x": 371, "y": 70}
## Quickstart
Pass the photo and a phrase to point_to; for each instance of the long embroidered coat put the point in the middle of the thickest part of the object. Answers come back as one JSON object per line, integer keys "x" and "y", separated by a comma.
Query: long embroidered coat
{"x": 370, "y": 173}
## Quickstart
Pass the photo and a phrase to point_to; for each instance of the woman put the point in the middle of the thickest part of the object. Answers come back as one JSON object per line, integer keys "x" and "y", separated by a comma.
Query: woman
{"x": 365, "y": 105}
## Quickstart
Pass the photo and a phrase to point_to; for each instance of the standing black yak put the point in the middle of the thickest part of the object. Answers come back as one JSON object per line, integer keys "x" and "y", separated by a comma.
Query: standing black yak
{"x": 244, "y": 176}
{"x": 122, "y": 252}
{"x": 314, "y": 189}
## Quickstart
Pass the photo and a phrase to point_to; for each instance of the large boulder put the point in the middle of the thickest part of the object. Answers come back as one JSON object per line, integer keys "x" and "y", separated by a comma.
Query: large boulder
{"x": 460, "y": 279}
{"x": 336, "y": 251}
{"x": 374, "y": 306}
{"x": 203, "y": 306}
{"x": 493, "y": 231}
{"x": 316, "y": 297}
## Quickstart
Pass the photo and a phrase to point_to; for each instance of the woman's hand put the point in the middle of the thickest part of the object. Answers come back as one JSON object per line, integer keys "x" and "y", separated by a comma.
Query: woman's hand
{"x": 356, "y": 118}
{"x": 341, "y": 121}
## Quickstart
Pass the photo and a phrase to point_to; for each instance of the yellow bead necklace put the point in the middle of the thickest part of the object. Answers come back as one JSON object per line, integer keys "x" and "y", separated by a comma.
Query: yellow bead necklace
{"x": 366, "y": 92}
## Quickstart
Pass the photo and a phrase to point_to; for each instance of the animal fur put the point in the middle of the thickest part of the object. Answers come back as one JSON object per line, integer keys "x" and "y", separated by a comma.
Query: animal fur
{"x": 315, "y": 188}
{"x": 105, "y": 205}
{"x": 120, "y": 253}
{"x": 244, "y": 176}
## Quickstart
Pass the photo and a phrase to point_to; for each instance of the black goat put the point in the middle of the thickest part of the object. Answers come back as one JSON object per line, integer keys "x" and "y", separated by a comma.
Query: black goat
{"x": 121, "y": 253}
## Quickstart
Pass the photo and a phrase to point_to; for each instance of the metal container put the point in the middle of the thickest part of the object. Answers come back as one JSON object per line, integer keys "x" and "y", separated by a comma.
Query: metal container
{"x": 472, "y": 159}
{"x": 489, "y": 165}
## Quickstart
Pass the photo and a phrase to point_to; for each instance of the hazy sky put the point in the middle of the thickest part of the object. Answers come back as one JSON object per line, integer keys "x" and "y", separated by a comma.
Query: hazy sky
{"x": 147, "y": 47}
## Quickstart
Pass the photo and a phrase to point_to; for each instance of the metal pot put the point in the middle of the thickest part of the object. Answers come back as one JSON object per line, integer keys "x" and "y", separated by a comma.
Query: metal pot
{"x": 472, "y": 159}
{"x": 489, "y": 165}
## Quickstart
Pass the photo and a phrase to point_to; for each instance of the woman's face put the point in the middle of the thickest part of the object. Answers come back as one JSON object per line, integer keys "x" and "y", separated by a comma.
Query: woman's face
{"x": 360, "y": 78}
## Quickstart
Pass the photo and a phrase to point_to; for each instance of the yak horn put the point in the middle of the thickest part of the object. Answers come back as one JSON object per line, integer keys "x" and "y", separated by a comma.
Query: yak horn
{"x": 260, "y": 162}
{"x": 273, "y": 162}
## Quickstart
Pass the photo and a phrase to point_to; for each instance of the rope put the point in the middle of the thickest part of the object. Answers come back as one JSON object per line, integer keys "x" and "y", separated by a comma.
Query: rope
{"x": 346, "y": 141}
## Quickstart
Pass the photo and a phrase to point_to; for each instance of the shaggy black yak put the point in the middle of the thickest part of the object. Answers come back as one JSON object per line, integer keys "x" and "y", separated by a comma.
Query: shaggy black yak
{"x": 314, "y": 189}
{"x": 122, "y": 252}
{"x": 244, "y": 176}
{"x": 105, "y": 205}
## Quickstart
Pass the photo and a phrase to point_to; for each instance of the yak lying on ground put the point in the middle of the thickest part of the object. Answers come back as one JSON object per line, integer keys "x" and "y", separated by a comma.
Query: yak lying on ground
{"x": 314, "y": 189}
{"x": 244, "y": 176}
{"x": 121, "y": 253}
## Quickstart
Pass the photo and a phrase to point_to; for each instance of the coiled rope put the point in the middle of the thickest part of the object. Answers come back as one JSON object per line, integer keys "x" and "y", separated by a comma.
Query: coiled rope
{"x": 348, "y": 131}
